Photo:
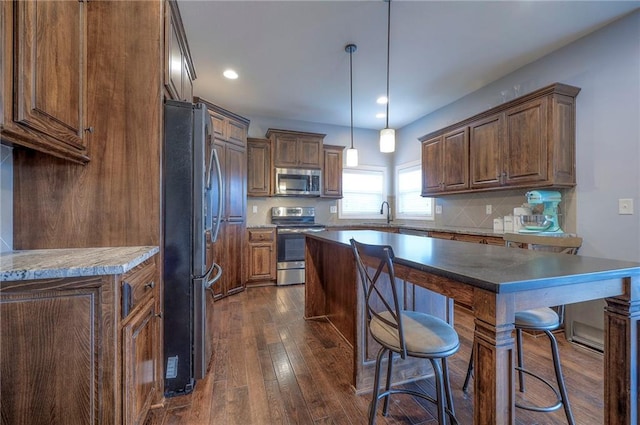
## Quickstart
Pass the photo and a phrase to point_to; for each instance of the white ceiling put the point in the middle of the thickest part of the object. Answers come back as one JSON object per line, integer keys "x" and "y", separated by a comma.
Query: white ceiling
{"x": 292, "y": 61}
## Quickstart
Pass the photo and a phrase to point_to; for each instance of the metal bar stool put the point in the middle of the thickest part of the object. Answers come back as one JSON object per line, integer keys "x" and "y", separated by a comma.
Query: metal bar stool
{"x": 407, "y": 333}
{"x": 546, "y": 320}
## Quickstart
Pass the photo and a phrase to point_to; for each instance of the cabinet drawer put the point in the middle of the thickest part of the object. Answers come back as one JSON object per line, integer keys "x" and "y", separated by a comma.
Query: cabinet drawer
{"x": 261, "y": 235}
{"x": 137, "y": 285}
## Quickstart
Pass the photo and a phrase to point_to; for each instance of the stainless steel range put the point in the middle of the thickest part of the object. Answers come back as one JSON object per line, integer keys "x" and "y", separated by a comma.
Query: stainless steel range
{"x": 291, "y": 223}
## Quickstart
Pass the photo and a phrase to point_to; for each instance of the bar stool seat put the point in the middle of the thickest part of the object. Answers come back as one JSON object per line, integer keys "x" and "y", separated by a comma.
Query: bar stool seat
{"x": 541, "y": 319}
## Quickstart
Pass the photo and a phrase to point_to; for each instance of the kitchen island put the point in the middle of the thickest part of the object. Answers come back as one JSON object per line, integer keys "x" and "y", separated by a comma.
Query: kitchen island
{"x": 497, "y": 282}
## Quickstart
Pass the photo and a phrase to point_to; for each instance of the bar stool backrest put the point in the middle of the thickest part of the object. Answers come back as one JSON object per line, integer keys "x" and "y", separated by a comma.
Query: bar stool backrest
{"x": 380, "y": 294}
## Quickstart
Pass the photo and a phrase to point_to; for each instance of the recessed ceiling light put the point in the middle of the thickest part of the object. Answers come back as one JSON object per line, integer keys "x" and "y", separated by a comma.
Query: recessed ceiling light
{"x": 381, "y": 115}
{"x": 230, "y": 74}
{"x": 382, "y": 100}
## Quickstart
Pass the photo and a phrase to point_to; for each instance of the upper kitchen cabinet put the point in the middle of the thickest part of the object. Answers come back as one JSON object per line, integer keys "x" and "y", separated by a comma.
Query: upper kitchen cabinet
{"x": 258, "y": 167}
{"x": 179, "y": 70}
{"x": 44, "y": 57}
{"x": 445, "y": 160}
{"x": 526, "y": 143}
{"x": 295, "y": 149}
{"x": 332, "y": 171}
{"x": 227, "y": 126}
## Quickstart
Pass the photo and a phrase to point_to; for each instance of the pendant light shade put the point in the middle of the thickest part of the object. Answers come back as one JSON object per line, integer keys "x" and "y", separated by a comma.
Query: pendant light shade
{"x": 352, "y": 153}
{"x": 388, "y": 135}
{"x": 387, "y": 140}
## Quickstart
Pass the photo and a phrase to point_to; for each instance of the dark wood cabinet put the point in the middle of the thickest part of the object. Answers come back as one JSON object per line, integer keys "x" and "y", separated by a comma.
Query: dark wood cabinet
{"x": 258, "y": 167}
{"x": 445, "y": 160}
{"x": 526, "y": 143}
{"x": 295, "y": 149}
{"x": 261, "y": 255}
{"x": 332, "y": 171}
{"x": 62, "y": 358}
{"x": 44, "y": 67}
{"x": 179, "y": 70}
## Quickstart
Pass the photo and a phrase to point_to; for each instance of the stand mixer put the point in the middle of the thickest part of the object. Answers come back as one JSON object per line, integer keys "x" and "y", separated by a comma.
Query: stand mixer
{"x": 544, "y": 208}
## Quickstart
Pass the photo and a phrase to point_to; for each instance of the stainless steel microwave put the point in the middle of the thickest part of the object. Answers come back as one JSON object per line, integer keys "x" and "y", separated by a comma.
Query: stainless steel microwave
{"x": 297, "y": 181}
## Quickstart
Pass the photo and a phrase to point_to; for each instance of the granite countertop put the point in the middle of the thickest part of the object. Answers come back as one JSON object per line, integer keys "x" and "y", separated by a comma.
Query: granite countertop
{"x": 494, "y": 268}
{"x": 71, "y": 262}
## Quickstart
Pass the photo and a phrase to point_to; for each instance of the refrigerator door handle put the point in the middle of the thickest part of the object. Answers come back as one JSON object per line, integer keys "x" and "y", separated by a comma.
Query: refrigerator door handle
{"x": 214, "y": 236}
{"x": 214, "y": 279}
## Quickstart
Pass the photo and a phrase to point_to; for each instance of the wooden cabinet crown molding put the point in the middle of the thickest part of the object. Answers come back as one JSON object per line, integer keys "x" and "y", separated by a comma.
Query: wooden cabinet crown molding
{"x": 556, "y": 88}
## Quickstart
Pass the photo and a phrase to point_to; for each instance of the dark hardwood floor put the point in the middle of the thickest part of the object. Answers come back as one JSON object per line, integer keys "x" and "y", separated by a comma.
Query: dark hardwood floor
{"x": 272, "y": 367}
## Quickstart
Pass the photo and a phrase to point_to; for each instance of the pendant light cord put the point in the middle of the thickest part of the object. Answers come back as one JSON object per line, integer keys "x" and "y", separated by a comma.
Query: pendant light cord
{"x": 351, "y": 49}
{"x": 388, "y": 56}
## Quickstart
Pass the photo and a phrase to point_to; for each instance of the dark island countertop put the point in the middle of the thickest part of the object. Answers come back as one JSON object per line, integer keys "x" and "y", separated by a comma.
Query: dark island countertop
{"x": 494, "y": 268}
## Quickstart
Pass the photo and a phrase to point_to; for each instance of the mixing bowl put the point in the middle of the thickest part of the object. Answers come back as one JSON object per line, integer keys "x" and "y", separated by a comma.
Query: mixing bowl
{"x": 536, "y": 221}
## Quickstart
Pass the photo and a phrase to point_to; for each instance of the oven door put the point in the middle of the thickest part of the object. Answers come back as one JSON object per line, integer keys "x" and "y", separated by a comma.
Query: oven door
{"x": 291, "y": 246}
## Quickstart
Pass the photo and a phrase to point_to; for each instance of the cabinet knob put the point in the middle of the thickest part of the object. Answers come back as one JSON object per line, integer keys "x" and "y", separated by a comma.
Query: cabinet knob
{"x": 150, "y": 285}
{"x": 158, "y": 315}
{"x": 89, "y": 129}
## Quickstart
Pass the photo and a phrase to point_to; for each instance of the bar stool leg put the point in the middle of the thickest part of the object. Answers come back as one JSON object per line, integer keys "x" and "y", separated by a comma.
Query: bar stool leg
{"x": 385, "y": 408}
{"x": 520, "y": 359}
{"x": 467, "y": 378}
{"x": 376, "y": 385}
{"x": 440, "y": 393}
{"x": 447, "y": 386}
{"x": 559, "y": 377}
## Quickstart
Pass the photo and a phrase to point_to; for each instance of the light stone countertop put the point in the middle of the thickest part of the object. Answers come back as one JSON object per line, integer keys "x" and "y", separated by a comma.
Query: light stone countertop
{"x": 71, "y": 262}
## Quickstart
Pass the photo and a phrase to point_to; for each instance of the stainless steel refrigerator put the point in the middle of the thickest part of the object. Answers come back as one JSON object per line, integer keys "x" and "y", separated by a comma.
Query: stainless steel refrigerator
{"x": 191, "y": 187}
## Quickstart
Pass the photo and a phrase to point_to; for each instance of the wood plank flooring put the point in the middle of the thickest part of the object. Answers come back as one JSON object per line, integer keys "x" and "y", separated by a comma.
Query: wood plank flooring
{"x": 272, "y": 367}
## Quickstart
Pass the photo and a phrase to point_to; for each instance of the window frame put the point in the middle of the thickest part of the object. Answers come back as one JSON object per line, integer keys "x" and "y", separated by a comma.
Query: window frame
{"x": 364, "y": 215}
{"x": 429, "y": 215}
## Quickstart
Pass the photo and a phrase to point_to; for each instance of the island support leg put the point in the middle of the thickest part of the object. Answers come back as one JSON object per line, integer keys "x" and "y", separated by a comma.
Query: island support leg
{"x": 622, "y": 316}
{"x": 494, "y": 359}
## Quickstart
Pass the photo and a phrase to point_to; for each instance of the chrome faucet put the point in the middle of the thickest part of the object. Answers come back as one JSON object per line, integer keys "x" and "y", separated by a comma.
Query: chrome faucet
{"x": 388, "y": 211}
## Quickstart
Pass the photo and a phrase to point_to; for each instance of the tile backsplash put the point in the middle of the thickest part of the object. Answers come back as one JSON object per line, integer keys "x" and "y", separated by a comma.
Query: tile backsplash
{"x": 6, "y": 198}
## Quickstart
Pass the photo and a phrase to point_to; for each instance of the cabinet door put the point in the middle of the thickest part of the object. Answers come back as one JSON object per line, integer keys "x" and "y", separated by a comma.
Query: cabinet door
{"x": 258, "y": 168}
{"x": 175, "y": 61}
{"x": 51, "y": 351}
{"x": 236, "y": 133}
{"x": 309, "y": 151}
{"x": 455, "y": 159}
{"x": 332, "y": 172}
{"x": 235, "y": 183}
{"x": 262, "y": 262}
{"x": 50, "y": 69}
{"x": 526, "y": 142}
{"x": 486, "y": 152}
{"x": 432, "y": 172}
{"x": 285, "y": 151}
{"x": 140, "y": 336}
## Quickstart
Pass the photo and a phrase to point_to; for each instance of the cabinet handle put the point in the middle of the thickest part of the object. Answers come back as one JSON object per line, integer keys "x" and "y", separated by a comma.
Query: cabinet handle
{"x": 150, "y": 285}
{"x": 89, "y": 129}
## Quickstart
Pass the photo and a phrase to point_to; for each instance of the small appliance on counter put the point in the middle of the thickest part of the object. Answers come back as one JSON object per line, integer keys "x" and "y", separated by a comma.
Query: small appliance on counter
{"x": 544, "y": 217}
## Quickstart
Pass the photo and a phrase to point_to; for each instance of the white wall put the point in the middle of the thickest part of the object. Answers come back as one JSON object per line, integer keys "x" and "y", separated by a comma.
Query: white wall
{"x": 606, "y": 65}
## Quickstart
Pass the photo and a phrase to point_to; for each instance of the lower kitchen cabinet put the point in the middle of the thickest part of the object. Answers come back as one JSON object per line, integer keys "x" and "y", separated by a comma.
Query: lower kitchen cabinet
{"x": 261, "y": 256}
{"x": 82, "y": 350}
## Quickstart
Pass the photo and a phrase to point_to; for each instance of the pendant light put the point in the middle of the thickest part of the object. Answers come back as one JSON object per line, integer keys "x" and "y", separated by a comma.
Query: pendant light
{"x": 352, "y": 153}
{"x": 388, "y": 135}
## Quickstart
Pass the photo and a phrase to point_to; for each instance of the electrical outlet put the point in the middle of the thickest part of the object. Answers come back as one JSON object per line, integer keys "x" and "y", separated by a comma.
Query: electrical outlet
{"x": 487, "y": 209}
{"x": 333, "y": 209}
{"x": 254, "y": 209}
{"x": 625, "y": 206}
{"x": 438, "y": 209}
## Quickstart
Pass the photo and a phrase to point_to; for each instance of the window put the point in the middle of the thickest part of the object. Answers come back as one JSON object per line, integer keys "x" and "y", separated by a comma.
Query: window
{"x": 363, "y": 190}
{"x": 409, "y": 203}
